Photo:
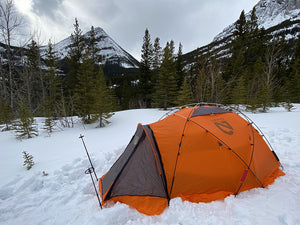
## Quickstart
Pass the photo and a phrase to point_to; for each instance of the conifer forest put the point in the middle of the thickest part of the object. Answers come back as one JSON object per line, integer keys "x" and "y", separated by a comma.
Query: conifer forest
{"x": 259, "y": 71}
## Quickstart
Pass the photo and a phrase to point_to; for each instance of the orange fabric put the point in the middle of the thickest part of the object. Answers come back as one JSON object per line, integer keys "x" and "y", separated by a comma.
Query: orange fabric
{"x": 168, "y": 133}
{"x": 205, "y": 197}
{"x": 215, "y": 151}
{"x": 144, "y": 204}
{"x": 206, "y": 158}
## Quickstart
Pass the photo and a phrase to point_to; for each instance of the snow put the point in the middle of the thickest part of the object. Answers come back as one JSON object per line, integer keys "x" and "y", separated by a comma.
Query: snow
{"x": 109, "y": 50}
{"x": 66, "y": 195}
{"x": 269, "y": 13}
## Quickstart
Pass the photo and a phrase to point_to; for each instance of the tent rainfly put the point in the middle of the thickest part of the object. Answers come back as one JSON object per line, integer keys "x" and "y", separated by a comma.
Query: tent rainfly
{"x": 200, "y": 154}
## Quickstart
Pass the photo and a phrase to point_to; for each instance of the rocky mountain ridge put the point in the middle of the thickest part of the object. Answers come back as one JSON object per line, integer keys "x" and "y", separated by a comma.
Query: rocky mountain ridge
{"x": 110, "y": 52}
{"x": 278, "y": 17}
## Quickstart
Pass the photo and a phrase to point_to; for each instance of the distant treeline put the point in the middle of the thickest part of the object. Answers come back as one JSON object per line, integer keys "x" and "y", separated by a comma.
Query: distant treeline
{"x": 258, "y": 71}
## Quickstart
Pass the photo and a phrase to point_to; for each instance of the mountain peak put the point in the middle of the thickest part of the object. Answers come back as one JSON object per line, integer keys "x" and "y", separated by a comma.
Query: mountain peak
{"x": 98, "y": 32}
{"x": 269, "y": 13}
{"x": 110, "y": 52}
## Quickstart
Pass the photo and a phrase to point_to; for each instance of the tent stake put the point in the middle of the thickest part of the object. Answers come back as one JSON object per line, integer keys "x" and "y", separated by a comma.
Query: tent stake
{"x": 88, "y": 155}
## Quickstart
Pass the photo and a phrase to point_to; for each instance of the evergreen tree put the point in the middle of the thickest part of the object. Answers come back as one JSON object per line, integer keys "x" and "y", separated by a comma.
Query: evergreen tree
{"x": 294, "y": 82}
{"x": 239, "y": 93}
{"x": 157, "y": 55}
{"x": 255, "y": 89}
{"x": 184, "y": 97}
{"x": 33, "y": 80}
{"x": 105, "y": 102}
{"x": 180, "y": 73}
{"x": 241, "y": 72}
{"x": 86, "y": 96}
{"x": 49, "y": 125}
{"x": 254, "y": 42}
{"x": 201, "y": 86}
{"x": 252, "y": 24}
{"x": 93, "y": 49}
{"x": 145, "y": 84}
{"x": 52, "y": 84}
{"x": 214, "y": 80}
{"x": 241, "y": 26}
{"x": 236, "y": 63}
{"x": 28, "y": 160}
{"x": 84, "y": 89}
{"x": 74, "y": 58}
{"x": 165, "y": 95}
{"x": 25, "y": 127}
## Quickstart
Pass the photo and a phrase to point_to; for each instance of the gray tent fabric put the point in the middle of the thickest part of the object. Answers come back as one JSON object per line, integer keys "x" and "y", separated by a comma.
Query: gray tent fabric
{"x": 138, "y": 171}
{"x": 201, "y": 111}
{"x": 115, "y": 170}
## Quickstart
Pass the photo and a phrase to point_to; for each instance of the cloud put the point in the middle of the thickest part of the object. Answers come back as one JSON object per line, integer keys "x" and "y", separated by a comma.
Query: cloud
{"x": 46, "y": 8}
{"x": 194, "y": 23}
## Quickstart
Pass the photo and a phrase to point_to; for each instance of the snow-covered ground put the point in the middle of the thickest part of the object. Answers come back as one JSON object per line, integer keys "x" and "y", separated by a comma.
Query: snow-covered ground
{"x": 66, "y": 195}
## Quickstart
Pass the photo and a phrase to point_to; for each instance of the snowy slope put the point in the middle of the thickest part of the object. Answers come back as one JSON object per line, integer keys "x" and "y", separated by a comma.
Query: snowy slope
{"x": 110, "y": 51}
{"x": 280, "y": 18}
{"x": 269, "y": 13}
{"x": 66, "y": 195}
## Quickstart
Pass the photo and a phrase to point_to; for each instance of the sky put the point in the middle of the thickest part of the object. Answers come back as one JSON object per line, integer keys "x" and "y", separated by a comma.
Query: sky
{"x": 194, "y": 23}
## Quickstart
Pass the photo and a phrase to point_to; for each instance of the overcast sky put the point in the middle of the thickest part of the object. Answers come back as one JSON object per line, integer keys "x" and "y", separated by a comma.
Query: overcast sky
{"x": 194, "y": 23}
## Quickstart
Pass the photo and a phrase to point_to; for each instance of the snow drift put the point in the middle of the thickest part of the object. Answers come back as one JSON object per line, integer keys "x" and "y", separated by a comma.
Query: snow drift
{"x": 66, "y": 195}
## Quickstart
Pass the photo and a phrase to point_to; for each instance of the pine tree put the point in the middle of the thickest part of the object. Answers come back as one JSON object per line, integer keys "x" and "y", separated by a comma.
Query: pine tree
{"x": 239, "y": 93}
{"x": 180, "y": 72}
{"x": 33, "y": 79}
{"x": 236, "y": 63}
{"x": 86, "y": 77}
{"x": 294, "y": 82}
{"x": 93, "y": 49}
{"x": 25, "y": 127}
{"x": 105, "y": 102}
{"x": 50, "y": 106}
{"x": 255, "y": 89}
{"x": 85, "y": 88}
{"x": 184, "y": 97}
{"x": 52, "y": 84}
{"x": 74, "y": 58}
{"x": 49, "y": 125}
{"x": 201, "y": 85}
{"x": 255, "y": 40}
{"x": 145, "y": 84}
{"x": 165, "y": 95}
{"x": 241, "y": 25}
{"x": 252, "y": 23}
{"x": 28, "y": 160}
{"x": 157, "y": 55}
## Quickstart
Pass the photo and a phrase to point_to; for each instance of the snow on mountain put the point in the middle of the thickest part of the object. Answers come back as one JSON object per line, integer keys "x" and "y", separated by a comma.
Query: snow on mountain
{"x": 66, "y": 195}
{"x": 278, "y": 17}
{"x": 269, "y": 13}
{"x": 110, "y": 51}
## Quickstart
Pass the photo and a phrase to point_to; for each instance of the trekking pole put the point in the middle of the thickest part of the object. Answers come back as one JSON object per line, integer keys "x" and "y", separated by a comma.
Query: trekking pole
{"x": 90, "y": 171}
{"x": 88, "y": 155}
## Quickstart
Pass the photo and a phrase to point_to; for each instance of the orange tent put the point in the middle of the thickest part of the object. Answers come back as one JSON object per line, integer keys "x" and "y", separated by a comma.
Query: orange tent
{"x": 200, "y": 154}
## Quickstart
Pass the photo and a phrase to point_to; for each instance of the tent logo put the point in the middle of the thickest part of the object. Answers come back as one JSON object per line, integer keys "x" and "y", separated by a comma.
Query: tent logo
{"x": 225, "y": 127}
